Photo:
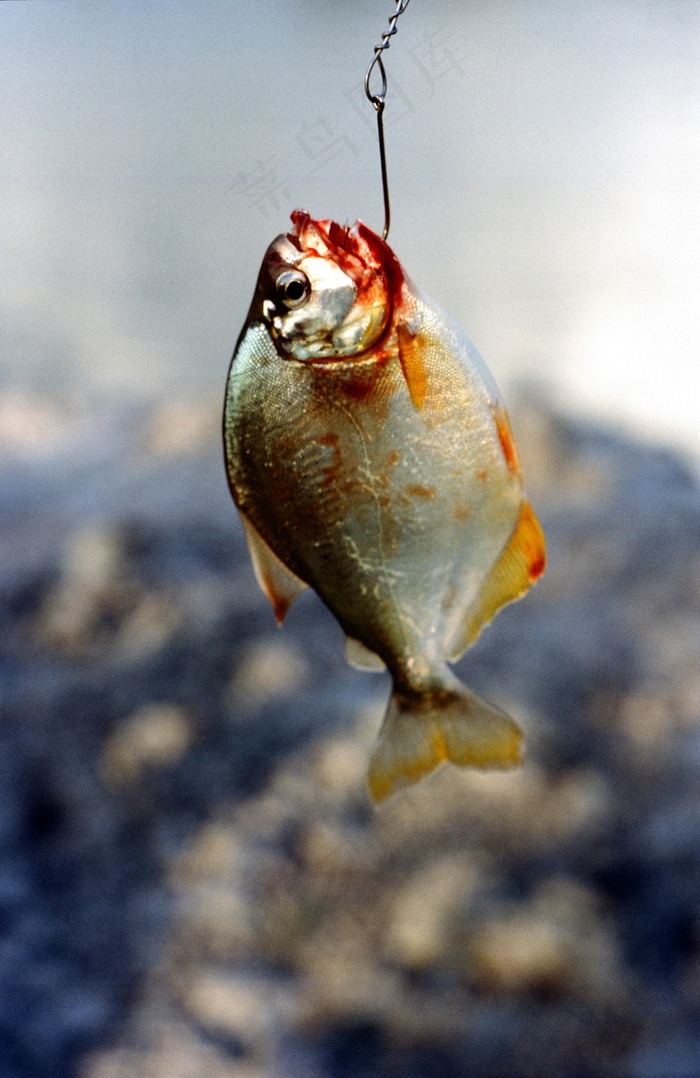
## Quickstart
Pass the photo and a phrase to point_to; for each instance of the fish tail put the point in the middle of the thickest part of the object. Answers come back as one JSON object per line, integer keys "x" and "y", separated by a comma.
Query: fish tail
{"x": 421, "y": 732}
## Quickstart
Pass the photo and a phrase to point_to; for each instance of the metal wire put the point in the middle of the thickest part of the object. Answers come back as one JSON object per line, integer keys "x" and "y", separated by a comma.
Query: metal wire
{"x": 378, "y": 102}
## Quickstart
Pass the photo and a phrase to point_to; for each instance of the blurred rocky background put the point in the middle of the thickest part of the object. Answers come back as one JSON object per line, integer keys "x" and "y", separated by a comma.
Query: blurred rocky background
{"x": 192, "y": 881}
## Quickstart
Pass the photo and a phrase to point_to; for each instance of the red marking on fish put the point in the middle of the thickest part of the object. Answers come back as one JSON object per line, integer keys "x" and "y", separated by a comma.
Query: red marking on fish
{"x": 505, "y": 437}
{"x": 280, "y": 606}
{"x": 537, "y": 566}
{"x": 532, "y": 542}
{"x": 332, "y": 471}
{"x": 462, "y": 512}
{"x": 358, "y": 251}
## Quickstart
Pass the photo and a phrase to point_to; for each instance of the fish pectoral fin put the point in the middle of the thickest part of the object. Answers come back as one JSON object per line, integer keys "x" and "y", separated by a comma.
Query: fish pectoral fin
{"x": 411, "y": 347}
{"x": 278, "y": 582}
{"x": 361, "y": 657}
{"x": 454, "y": 726}
{"x": 519, "y": 566}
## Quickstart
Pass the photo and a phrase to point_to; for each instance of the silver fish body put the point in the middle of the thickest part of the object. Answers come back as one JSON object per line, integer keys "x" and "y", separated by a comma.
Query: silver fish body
{"x": 388, "y": 481}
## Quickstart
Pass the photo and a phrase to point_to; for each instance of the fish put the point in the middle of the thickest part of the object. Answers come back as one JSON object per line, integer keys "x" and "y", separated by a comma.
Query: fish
{"x": 371, "y": 458}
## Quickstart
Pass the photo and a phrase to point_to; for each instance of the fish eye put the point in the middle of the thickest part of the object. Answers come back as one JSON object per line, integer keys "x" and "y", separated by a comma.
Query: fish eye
{"x": 292, "y": 288}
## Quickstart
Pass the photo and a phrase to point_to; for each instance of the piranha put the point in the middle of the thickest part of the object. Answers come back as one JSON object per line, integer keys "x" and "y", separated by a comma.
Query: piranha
{"x": 371, "y": 459}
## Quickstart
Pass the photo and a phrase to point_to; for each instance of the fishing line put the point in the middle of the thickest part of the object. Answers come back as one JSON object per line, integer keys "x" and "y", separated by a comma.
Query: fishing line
{"x": 378, "y": 102}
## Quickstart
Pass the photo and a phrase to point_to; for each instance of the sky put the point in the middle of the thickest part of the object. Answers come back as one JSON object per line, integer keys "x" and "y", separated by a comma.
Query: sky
{"x": 544, "y": 158}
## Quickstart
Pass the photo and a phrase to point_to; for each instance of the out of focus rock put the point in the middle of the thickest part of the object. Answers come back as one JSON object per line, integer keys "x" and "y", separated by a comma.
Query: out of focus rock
{"x": 173, "y": 1053}
{"x": 151, "y": 623}
{"x": 235, "y": 1007}
{"x": 215, "y": 855}
{"x": 214, "y": 918}
{"x": 192, "y": 880}
{"x": 99, "y": 603}
{"x": 340, "y": 979}
{"x": 419, "y": 928}
{"x": 648, "y": 720}
{"x": 156, "y": 736}
{"x": 214, "y": 923}
{"x": 341, "y": 765}
{"x": 556, "y": 943}
{"x": 89, "y": 591}
{"x": 269, "y": 669}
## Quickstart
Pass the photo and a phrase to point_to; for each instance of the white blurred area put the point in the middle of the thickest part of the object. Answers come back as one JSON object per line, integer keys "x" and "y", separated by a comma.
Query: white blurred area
{"x": 544, "y": 165}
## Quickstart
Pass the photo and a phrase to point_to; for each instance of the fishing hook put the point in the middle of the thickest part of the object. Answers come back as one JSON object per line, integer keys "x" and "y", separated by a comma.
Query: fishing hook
{"x": 378, "y": 102}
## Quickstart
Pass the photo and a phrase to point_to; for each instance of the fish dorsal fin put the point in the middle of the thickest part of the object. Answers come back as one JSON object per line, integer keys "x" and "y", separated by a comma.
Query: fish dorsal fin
{"x": 518, "y": 567}
{"x": 411, "y": 347}
{"x": 278, "y": 582}
{"x": 361, "y": 657}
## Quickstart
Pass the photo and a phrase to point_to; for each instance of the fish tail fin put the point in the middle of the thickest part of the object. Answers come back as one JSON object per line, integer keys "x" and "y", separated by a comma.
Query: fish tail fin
{"x": 455, "y": 725}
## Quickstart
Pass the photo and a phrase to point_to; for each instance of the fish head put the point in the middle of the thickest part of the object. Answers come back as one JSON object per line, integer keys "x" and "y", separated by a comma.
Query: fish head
{"x": 327, "y": 292}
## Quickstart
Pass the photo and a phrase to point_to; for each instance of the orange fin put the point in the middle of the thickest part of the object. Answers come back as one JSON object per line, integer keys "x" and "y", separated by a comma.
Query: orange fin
{"x": 412, "y": 364}
{"x": 278, "y": 582}
{"x": 518, "y": 567}
{"x": 361, "y": 657}
{"x": 454, "y": 726}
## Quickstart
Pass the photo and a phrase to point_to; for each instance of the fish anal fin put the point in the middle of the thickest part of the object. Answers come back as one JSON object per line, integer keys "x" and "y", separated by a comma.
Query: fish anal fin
{"x": 450, "y": 727}
{"x": 412, "y": 364}
{"x": 518, "y": 567}
{"x": 361, "y": 657}
{"x": 279, "y": 583}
